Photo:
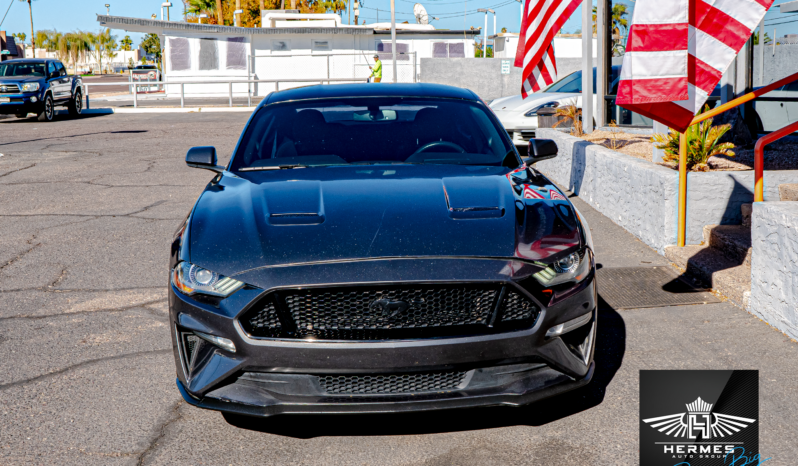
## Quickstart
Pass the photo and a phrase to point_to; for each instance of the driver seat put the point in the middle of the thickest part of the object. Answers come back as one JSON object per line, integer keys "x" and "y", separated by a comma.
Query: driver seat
{"x": 431, "y": 124}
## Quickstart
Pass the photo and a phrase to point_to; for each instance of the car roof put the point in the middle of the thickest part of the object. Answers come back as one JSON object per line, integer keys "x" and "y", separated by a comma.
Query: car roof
{"x": 326, "y": 91}
{"x": 28, "y": 60}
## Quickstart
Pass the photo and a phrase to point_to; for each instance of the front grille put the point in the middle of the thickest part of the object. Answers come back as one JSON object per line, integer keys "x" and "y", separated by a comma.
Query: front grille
{"x": 517, "y": 307}
{"x": 266, "y": 322}
{"x": 333, "y": 314}
{"x": 391, "y": 383}
{"x": 388, "y": 312}
{"x": 9, "y": 89}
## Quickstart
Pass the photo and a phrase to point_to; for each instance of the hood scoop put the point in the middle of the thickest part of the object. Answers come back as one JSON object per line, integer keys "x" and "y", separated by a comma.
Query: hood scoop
{"x": 474, "y": 197}
{"x": 294, "y": 203}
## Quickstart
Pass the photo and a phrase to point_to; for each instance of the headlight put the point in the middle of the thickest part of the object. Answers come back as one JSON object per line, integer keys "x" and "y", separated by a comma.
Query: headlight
{"x": 534, "y": 111}
{"x": 190, "y": 280}
{"x": 573, "y": 267}
{"x": 30, "y": 87}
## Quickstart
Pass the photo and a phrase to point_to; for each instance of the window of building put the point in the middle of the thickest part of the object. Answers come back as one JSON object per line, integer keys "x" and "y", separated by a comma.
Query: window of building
{"x": 179, "y": 54}
{"x": 385, "y": 51}
{"x": 208, "y": 54}
{"x": 236, "y": 54}
{"x": 321, "y": 45}
{"x": 448, "y": 50}
{"x": 281, "y": 45}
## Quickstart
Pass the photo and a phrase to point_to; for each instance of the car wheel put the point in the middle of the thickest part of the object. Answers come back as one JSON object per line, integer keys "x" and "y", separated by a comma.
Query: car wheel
{"x": 48, "y": 112}
{"x": 21, "y": 115}
{"x": 76, "y": 104}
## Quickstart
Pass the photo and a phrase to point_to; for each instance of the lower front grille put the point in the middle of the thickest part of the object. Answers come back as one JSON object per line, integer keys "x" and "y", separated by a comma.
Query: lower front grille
{"x": 392, "y": 383}
{"x": 389, "y": 312}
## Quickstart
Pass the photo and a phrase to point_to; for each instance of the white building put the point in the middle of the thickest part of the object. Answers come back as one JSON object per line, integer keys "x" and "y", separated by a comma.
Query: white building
{"x": 565, "y": 45}
{"x": 88, "y": 61}
{"x": 299, "y": 49}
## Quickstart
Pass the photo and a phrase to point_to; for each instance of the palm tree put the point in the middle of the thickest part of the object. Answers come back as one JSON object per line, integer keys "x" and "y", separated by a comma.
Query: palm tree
{"x": 101, "y": 43}
{"x": 78, "y": 45}
{"x": 32, "y": 33}
{"x": 618, "y": 20}
{"x": 196, "y": 7}
{"x": 126, "y": 43}
{"x": 219, "y": 19}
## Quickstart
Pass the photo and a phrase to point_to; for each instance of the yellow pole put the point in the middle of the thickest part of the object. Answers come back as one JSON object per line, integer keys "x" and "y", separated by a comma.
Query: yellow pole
{"x": 682, "y": 189}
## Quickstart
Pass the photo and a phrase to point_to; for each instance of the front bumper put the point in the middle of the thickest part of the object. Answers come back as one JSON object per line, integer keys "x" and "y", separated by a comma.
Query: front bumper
{"x": 20, "y": 103}
{"x": 277, "y": 376}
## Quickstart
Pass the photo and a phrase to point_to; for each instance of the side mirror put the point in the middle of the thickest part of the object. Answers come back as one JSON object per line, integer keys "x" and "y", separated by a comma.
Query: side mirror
{"x": 203, "y": 157}
{"x": 540, "y": 149}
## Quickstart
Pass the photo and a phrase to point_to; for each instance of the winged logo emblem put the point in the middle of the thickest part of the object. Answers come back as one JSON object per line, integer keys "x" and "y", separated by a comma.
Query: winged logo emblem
{"x": 699, "y": 419}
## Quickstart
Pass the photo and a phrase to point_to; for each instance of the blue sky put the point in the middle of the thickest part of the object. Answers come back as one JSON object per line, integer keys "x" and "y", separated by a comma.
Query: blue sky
{"x": 68, "y": 15}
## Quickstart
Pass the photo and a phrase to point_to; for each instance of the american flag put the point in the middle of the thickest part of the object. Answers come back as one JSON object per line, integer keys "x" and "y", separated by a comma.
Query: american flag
{"x": 535, "y": 52}
{"x": 677, "y": 52}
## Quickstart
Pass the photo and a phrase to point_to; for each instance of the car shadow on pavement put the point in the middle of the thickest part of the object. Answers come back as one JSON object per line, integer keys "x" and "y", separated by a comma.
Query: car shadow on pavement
{"x": 58, "y": 117}
{"x": 609, "y": 352}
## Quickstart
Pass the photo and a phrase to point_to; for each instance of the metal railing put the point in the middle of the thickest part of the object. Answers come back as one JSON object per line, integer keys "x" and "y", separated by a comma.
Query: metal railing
{"x": 758, "y": 150}
{"x": 162, "y": 84}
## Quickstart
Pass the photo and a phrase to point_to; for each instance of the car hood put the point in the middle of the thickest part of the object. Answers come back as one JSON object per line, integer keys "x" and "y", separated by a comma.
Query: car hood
{"x": 516, "y": 104}
{"x": 289, "y": 217}
{"x": 20, "y": 79}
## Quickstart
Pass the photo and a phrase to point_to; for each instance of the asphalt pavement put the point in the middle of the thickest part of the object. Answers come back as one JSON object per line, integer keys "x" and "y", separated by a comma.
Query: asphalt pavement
{"x": 88, "y": 210}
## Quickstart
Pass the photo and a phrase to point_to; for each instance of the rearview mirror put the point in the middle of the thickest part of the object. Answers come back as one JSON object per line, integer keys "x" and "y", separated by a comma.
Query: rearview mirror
{"x": 203, "y": 157}
{"x": 541, "y": 149}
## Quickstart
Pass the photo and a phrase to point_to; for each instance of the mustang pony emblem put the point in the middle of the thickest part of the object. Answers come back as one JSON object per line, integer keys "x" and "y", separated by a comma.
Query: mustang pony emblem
{"x": 391, "y": 308}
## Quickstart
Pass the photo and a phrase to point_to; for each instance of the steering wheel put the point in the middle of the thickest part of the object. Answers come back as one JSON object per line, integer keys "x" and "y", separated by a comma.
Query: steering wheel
{"x": 432, "y": 144}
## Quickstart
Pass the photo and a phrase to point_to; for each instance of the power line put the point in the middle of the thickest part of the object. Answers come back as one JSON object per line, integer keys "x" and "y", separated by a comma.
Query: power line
{"x": 783, "y": 22}
{"x": 9, "y": 9}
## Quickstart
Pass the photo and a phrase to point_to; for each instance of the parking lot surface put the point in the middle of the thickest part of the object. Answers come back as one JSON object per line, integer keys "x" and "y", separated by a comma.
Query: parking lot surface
{"x": 88, "y": 210}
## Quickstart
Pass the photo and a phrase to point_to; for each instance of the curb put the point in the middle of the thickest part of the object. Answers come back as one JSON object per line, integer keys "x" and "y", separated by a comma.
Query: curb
{"x": 109, "y": 110}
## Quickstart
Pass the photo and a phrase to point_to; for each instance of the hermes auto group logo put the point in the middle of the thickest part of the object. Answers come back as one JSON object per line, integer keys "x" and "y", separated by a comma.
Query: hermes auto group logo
{"x": 698, "y": 418}
{"x": 699, "y": 422}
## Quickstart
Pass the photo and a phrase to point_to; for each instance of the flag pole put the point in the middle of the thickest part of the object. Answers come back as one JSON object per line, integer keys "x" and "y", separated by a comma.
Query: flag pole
{"x": 587, "y": 66}
{"x": 682, "y": 190}
{"x": 393, "y": 37}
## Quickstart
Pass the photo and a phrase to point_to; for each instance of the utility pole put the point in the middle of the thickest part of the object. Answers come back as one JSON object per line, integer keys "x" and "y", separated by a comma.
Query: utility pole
{"x": 484, "y": 33}
{"x": 393, "y": 37}
{"x": 32, "y": 34}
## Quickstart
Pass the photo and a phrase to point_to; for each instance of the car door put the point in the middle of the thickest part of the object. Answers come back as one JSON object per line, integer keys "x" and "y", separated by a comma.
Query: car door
{"x": 774, "y": 114}
{"x": 53, "y": 80}
{"x": 64, "y": 85}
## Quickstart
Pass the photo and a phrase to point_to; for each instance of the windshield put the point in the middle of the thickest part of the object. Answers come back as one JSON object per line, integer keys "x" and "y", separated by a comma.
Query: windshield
{"x": 22, "y": 69}
{"x": 573, "y": 81}
{"x": 372, "y": 130}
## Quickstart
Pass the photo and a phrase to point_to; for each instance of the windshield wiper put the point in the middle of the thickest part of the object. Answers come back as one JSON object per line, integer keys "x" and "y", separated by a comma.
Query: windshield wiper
{"x": 273, "y": 167}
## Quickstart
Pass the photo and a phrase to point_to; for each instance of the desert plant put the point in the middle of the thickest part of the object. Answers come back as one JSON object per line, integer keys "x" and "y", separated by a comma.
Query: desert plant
{"x": 702, "y": 143}
{"x": 613, "y": 142}
{"x": 573, "y": 114}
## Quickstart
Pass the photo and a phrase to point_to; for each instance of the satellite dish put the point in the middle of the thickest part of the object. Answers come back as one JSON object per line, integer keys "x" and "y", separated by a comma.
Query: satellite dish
{"x": 420, "y": 13}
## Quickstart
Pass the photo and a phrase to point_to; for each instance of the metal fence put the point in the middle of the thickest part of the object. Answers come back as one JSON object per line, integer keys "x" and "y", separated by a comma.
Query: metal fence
{"x": 275, "y": 84}
{"x": 352, "y": 66}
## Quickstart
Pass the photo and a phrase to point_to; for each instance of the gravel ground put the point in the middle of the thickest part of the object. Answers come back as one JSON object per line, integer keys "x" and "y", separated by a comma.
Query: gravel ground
{"x": 636, "y": 145}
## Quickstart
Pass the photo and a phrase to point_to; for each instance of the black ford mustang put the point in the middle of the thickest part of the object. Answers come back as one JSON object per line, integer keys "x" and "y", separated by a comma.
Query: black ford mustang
{"x": 379, "y": 248}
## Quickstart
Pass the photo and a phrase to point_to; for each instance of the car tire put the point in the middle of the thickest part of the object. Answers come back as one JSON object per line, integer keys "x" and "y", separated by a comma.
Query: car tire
{"x": 48, "y": 111}
{"x": 76, "y": 105}
{"x": 21, "y": 115}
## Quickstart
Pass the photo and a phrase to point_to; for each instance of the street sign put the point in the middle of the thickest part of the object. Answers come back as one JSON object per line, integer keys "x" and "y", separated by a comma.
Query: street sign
{"x": 5, "y": 52}
{"x": 505, "y": 66}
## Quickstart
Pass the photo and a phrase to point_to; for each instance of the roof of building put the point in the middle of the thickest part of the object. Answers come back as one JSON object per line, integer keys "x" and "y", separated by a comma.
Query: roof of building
{"x": 327, "y": 91}
{"x": 158, "y": 26}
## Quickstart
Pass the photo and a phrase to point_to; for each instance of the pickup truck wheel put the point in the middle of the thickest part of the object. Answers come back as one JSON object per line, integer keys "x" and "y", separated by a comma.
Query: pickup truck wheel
{"x": 48, "y": 112}
{"x": 76, "y": 105}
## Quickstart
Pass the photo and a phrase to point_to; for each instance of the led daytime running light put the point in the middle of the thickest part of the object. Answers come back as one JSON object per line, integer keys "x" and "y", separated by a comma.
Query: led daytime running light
{"x": 191, "y": 279}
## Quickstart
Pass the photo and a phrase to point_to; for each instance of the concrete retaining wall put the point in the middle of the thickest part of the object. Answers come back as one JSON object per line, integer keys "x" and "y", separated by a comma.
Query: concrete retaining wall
{"x": 641, "y": 196}
{"x": 635, "y": 194}
{"x": 774, "y": 265}
{"x": 779, "y": 65}
{"x": 483, "y": 75}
